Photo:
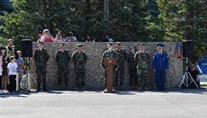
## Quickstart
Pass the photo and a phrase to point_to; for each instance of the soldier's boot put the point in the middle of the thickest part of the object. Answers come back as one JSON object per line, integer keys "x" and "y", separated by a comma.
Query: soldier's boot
{"x": 83, "y": 85}
{"x": 66, "y": 82}
{"x": 59, "y": 81}
{"x": 83, "y": 82}
{"x": 38, "y": 87}
{"x": 44, "y": 85}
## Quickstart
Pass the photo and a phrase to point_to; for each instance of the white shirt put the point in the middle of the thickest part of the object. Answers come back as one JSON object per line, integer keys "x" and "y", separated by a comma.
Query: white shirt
{"x": 1, "y": 69}
{"x": 12, "y": 68}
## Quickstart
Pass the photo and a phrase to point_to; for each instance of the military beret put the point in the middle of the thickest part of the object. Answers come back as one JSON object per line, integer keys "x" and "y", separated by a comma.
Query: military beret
{"x": 160, "y": 45}
{"x": 142, "y": 44}
{"x": 79, "y": 45}
{"x": 110, "y": 43}
{"x": 2, "y": 48}
{"x": 62, "y": 44}
{"x": 10, "y": 40}
{"x": 40, "y": 43}
{"x": 133, "y": 47}
{"x": 118, "y": 43}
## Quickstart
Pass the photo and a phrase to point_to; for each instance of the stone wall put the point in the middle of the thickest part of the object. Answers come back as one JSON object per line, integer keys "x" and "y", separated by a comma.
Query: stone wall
{"x": 94, "y": 74}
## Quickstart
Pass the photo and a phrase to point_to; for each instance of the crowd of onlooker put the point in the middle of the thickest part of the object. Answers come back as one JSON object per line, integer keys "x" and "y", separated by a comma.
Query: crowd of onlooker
{"x": 11, "y": 67}
{"x": 46, "y": 36}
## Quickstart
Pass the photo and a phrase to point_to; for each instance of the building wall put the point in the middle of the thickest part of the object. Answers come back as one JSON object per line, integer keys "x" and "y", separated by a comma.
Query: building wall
{"x": 94, "y": 74}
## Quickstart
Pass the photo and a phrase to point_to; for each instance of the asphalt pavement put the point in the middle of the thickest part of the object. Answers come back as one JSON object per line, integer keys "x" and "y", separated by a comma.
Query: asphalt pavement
{"x": 183, "y": 103}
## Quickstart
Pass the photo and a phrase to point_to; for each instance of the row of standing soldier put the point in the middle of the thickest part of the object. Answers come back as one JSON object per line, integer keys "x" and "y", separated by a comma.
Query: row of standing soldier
{"x": 138, "y": 66}
{"x": 62, "y": 59}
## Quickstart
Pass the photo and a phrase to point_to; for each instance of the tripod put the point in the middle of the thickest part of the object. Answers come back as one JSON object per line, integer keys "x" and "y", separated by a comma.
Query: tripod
{"x": 187, "y": 78}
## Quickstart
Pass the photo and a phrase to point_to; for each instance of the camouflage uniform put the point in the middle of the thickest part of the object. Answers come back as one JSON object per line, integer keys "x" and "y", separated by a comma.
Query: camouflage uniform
{"x": 41, "y": 57}
{"x": 142, "y": 61}
{"x": 119, "y": 79}
{"x": 108, "y": 54}
{"x": 79, "y": 61}
{"x": 132, "y": 69}
{"x": 11, "y": 52}
{"x": 62, "y": 58}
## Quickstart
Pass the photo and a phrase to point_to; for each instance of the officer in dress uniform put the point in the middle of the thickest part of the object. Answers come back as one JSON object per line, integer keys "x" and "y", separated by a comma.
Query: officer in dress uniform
{"x": 160, "y": 65}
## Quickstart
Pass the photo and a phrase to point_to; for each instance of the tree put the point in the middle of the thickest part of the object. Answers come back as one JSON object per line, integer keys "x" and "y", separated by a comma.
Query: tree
{"x": 171, "y": 17}
{"x": 195, "y": 26}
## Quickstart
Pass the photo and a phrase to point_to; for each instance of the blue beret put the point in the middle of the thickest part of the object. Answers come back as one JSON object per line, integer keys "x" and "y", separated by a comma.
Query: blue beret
{"x": 160, "y": 45}
{"x": 2, "y": 48}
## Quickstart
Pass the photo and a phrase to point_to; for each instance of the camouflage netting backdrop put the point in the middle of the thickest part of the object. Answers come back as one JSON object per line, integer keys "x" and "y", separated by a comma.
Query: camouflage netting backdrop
{"x": 94, "y": 74}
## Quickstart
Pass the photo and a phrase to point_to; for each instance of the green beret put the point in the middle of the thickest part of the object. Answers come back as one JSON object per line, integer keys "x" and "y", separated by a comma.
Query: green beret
{"x": 110, "y": 44}
{"x": 142, "y": 44}
{"x": 79, "y": 45}
{"x": 118, "y": 43}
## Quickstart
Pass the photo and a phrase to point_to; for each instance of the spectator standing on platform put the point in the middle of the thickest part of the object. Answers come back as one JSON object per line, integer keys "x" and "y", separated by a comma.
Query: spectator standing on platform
{"x": 47, "y": 37}
{"x": 41, "y": 58}
{"x": 20, "y": 63}
{"x": 88, "y": 38}
{"x": 71, "y": 38}
{"x": 40, "y": 34}
{"x": 59, "y": 37}
{"x": 12, "y": 70}
{"x": 62, "y": 59}
{"x": 79, "y": 58}
{"x": 108, "y": 38}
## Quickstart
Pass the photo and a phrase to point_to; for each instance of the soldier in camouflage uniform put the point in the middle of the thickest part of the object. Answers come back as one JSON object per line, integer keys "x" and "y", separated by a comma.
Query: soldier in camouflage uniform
{"x": 41, "y": 58}
{"x": 109, "y": 53}
{"x": 142, "y": 60}
{"x": 79, "y": 58}
{"x": 122, "y": 57}
{"x": 62, "y": 59}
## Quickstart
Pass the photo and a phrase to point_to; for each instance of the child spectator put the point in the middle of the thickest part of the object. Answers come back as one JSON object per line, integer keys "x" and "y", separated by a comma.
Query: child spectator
{"x": 12, "y": 71}
{"x": 20, "y": 63}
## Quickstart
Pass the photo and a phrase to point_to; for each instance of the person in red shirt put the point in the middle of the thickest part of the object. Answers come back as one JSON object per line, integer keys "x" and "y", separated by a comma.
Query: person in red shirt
{"x": 47, "y": 37}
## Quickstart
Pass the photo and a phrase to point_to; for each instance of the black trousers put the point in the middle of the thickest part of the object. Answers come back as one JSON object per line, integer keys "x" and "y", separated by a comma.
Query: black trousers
{"x": 80, "y": 79}
{"x": 133, "y": 76}
{"x": 12, "y": 85}
{"x": 41, "y": 77}
{"x": 62, "y": 73}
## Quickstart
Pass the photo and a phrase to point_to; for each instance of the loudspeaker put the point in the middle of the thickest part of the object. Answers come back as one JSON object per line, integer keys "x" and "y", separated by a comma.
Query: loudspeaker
{"x": 188, "y": 48}
{"x": 27, "y": 48}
